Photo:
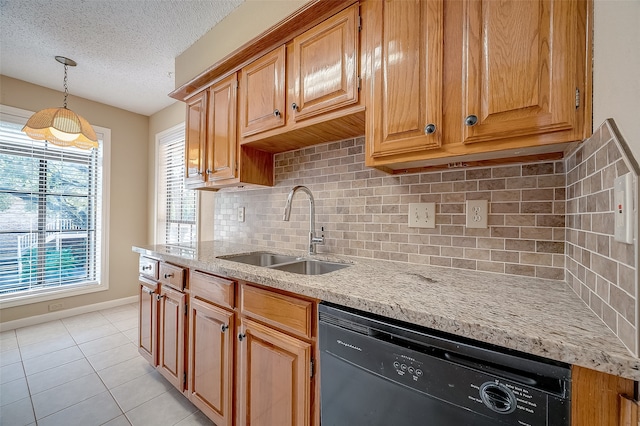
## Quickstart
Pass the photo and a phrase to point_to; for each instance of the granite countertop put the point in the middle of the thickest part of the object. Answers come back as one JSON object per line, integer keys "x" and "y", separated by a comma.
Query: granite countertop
{"x": 532, "y": 315}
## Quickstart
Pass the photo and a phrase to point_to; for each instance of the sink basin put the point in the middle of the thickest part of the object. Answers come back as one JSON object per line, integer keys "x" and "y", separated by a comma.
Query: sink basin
{"x": 261, "y": 258}
{"x": 286, "y": 263}
{"x": 310, "y": 267}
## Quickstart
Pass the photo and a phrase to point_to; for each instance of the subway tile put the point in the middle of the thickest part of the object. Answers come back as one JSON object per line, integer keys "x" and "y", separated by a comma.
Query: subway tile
{"x": 538, "y": 169}
{"x": 515, "y": 269}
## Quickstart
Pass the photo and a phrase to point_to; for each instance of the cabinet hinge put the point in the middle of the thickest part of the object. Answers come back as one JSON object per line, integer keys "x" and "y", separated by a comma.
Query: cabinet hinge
{"x": 359, "y": 82}
{"x": 577, "y": 98}
{"x": 311, "y": 368}
{"x": 235, "y": 84}
{"x": 186, "y": 309}
{"x": 184, "y": 379}
{"x": 359, "y": 23}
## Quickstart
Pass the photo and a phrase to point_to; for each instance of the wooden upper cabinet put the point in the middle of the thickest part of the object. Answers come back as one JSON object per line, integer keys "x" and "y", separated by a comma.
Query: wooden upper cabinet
{"x": 222, "y": 143}
{"x": 519, "y": 66}
{"x": 196, "y": 138}
{"x": 325, "y": 65}
{"x": 404, "y": 84}
{"x": 262, "y": 93}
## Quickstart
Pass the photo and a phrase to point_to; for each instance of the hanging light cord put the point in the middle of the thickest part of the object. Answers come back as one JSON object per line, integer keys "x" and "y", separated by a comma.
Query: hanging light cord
{"x": 66, "y": 89}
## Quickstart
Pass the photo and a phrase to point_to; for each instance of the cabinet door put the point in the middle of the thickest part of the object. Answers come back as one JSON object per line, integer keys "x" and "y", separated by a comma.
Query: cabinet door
{"x": 262, "y": 93}
{"x": 519, "y": 68}
{"x": 221, "y": 130}
{"x": 404, "y": 109}
{"x": 195, "y": 143}
{"x": 325, "y": 65}
{"x": 172, "y": 332}
{"x": 148, "y": 321}
{"x": 211, "y": 340}
{"x": 274, "y": 377}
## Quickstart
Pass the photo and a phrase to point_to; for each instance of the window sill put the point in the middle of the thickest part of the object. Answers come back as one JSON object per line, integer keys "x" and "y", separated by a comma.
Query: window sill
{"x": 9, "y": 301}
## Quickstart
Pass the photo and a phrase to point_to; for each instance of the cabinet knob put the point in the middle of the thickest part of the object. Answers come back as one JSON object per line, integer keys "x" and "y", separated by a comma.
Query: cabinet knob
{"x": 429, "y": 129}
{"x": 294, "y": 106}
{"x": 276, "y": 112}
{"x": 146, "y": 268}
{"x": 159, "y": 297}
{"x": 471, "y": 120}
{"x": 224, "y": 327}
{"x": 209, "y": 171}
{"x": 168, "y": 275}
{"x": 241, "y": 336}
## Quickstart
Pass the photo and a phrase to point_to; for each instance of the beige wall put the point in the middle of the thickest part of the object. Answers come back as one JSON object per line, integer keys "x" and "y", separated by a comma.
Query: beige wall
{"x": 250, "y": 19}
{"x": 128, "y": 209}
{"x": 616, "y": 74}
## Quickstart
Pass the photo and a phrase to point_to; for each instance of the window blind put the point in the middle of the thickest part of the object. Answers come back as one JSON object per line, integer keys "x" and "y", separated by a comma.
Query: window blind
{"x": 177, "y": 205}
{"x": 50, "y": 213}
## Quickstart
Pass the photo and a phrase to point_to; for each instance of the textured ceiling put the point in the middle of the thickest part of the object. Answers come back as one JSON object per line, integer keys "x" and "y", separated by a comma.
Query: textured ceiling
{"x": 125, "y": 49}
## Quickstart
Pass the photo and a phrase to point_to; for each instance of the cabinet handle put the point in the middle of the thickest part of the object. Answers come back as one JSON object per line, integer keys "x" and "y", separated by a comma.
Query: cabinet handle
{"x": 429, "y": 129}
{"x": 159, "y": 297}
{"x": 276, "y": 112}
{"x": 224, "y": 327}
{"x": 147, "y": 290}
{"x": 146, "y": 268}
{"x": 209, "y": 171}
{"x": 471, "y": 120}
{"x": 168, "y": 275}
{"x": 295, "y": 107}
{"x": 199, "y": 173}
{"x": 241, "y": 336}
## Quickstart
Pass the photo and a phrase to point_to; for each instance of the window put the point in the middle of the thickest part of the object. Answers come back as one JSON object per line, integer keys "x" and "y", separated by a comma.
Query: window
{"x": 52, "y": 204}
{"x": 177, "y": 206}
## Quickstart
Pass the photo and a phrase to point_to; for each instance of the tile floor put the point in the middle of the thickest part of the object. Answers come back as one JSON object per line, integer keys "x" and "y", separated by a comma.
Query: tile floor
{"x": 86, "y": 370}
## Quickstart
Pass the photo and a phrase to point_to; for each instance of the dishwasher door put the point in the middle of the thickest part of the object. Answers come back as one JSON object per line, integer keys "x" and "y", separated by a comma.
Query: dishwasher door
{"x": 378, "y": 379}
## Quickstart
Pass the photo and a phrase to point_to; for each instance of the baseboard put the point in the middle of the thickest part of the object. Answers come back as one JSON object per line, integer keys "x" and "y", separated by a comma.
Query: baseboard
{"x": 52, "y": 316}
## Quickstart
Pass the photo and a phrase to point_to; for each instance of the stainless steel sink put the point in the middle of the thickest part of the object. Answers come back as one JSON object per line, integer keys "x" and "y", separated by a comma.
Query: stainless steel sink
{"x": 310, "y": 267}
{"x": 286, "y": 263}
{"x": 261, "y": 258}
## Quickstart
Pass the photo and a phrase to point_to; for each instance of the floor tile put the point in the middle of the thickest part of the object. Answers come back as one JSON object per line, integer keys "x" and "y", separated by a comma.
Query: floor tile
{"x": 63, "y": 396}
{"x": 125, "y": 371}
{"x": 126, "y": 313}
{"x": 196, "y": 419}
{"x": 103, "y": 344}
{"x": 13, "y": 391}
{"x": 126, "y": 324}
{"x": 94, "y": 411}
{"x": 19, "y": 413}
{"x": 129, "y": 396}
{"x": 86, "y": 335}
{"x": 8, "y": 343}
{"x": 11, "y": 372}
{"x": 118, "y": 421}
{"x": 113, "y": 356}
{"x": 53, "y": 377}
{"x": 7, "y": 335}
{"x": 40, "y": 332}
{"x": 132, "y": 335}
{"x": 167, "y": 409}
{"x": 85, "y": 321}
{"x": 10, "y": 357}
{"x": 52, "y": 360}
{"x": 46, "y": 346}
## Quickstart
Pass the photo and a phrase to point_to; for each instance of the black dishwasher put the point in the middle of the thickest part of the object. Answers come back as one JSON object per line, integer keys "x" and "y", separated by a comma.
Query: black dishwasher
{"x": 379, "y": 372}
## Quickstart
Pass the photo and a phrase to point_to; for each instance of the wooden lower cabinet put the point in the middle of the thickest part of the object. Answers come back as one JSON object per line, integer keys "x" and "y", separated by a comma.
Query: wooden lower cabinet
{"x": 171, "y": 329}
{"x": 274, "y": 377}
{"x": 210, "y": 376}
{"x": 148, "y": 320}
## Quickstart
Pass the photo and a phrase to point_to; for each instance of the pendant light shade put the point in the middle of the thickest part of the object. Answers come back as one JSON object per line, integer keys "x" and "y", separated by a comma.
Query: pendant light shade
{"x": 61, "y": 126}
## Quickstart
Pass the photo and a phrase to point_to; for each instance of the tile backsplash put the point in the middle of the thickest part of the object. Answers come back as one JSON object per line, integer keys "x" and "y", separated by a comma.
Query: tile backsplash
{"x": 364, "y": 212}
{"x": 602, "y": 271}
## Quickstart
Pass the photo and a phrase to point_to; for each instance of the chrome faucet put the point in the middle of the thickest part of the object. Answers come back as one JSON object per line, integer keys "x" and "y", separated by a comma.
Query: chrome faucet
{"x": 313, "y": 240}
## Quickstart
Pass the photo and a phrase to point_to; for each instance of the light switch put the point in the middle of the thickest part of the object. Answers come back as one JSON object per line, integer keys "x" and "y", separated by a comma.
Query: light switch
{"x": 623, "y": 208}
{"x": 422, "y": 215}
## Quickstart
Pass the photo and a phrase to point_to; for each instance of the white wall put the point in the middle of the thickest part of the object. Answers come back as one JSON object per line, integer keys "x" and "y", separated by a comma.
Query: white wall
{"x": 616, "y": 73}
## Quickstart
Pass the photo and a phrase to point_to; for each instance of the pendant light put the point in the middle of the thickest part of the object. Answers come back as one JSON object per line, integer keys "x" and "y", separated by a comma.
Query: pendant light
{"x": 61, "y": 126}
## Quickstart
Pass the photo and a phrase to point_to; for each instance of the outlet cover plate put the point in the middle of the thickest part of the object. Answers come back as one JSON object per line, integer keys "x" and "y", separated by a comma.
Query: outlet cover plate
{"x": 240, "y": 214}
{"x": 422, "y": 215}
{"x": 477, "y": 213}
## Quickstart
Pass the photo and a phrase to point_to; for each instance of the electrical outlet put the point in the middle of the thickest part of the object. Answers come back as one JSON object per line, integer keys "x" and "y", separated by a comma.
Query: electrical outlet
{"x": 623, "y": 205}
{"x": 477, "y": 213}
{"x": 56, "y": 306}
{"x": 240, "y": 214}
{"x": 422, "y": 215}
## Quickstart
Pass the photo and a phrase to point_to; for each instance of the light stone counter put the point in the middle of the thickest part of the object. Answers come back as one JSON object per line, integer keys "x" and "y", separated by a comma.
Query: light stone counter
{"x": 536, "y": 316}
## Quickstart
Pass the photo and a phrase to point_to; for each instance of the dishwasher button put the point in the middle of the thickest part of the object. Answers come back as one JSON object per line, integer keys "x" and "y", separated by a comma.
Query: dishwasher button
{"x": 411, "y": 370}
{"x": 403, "y": 367}
{"x": 419, "y": 372}
{"x": 396, "y": 364}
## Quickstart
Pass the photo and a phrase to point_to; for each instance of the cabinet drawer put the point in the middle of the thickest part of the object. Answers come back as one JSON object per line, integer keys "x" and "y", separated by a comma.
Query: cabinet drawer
{"x": 148, "y": 267}
{"x": 212, "y": 288}
{"x": 172, "y": 275}
{"x": 285, "y": 312}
